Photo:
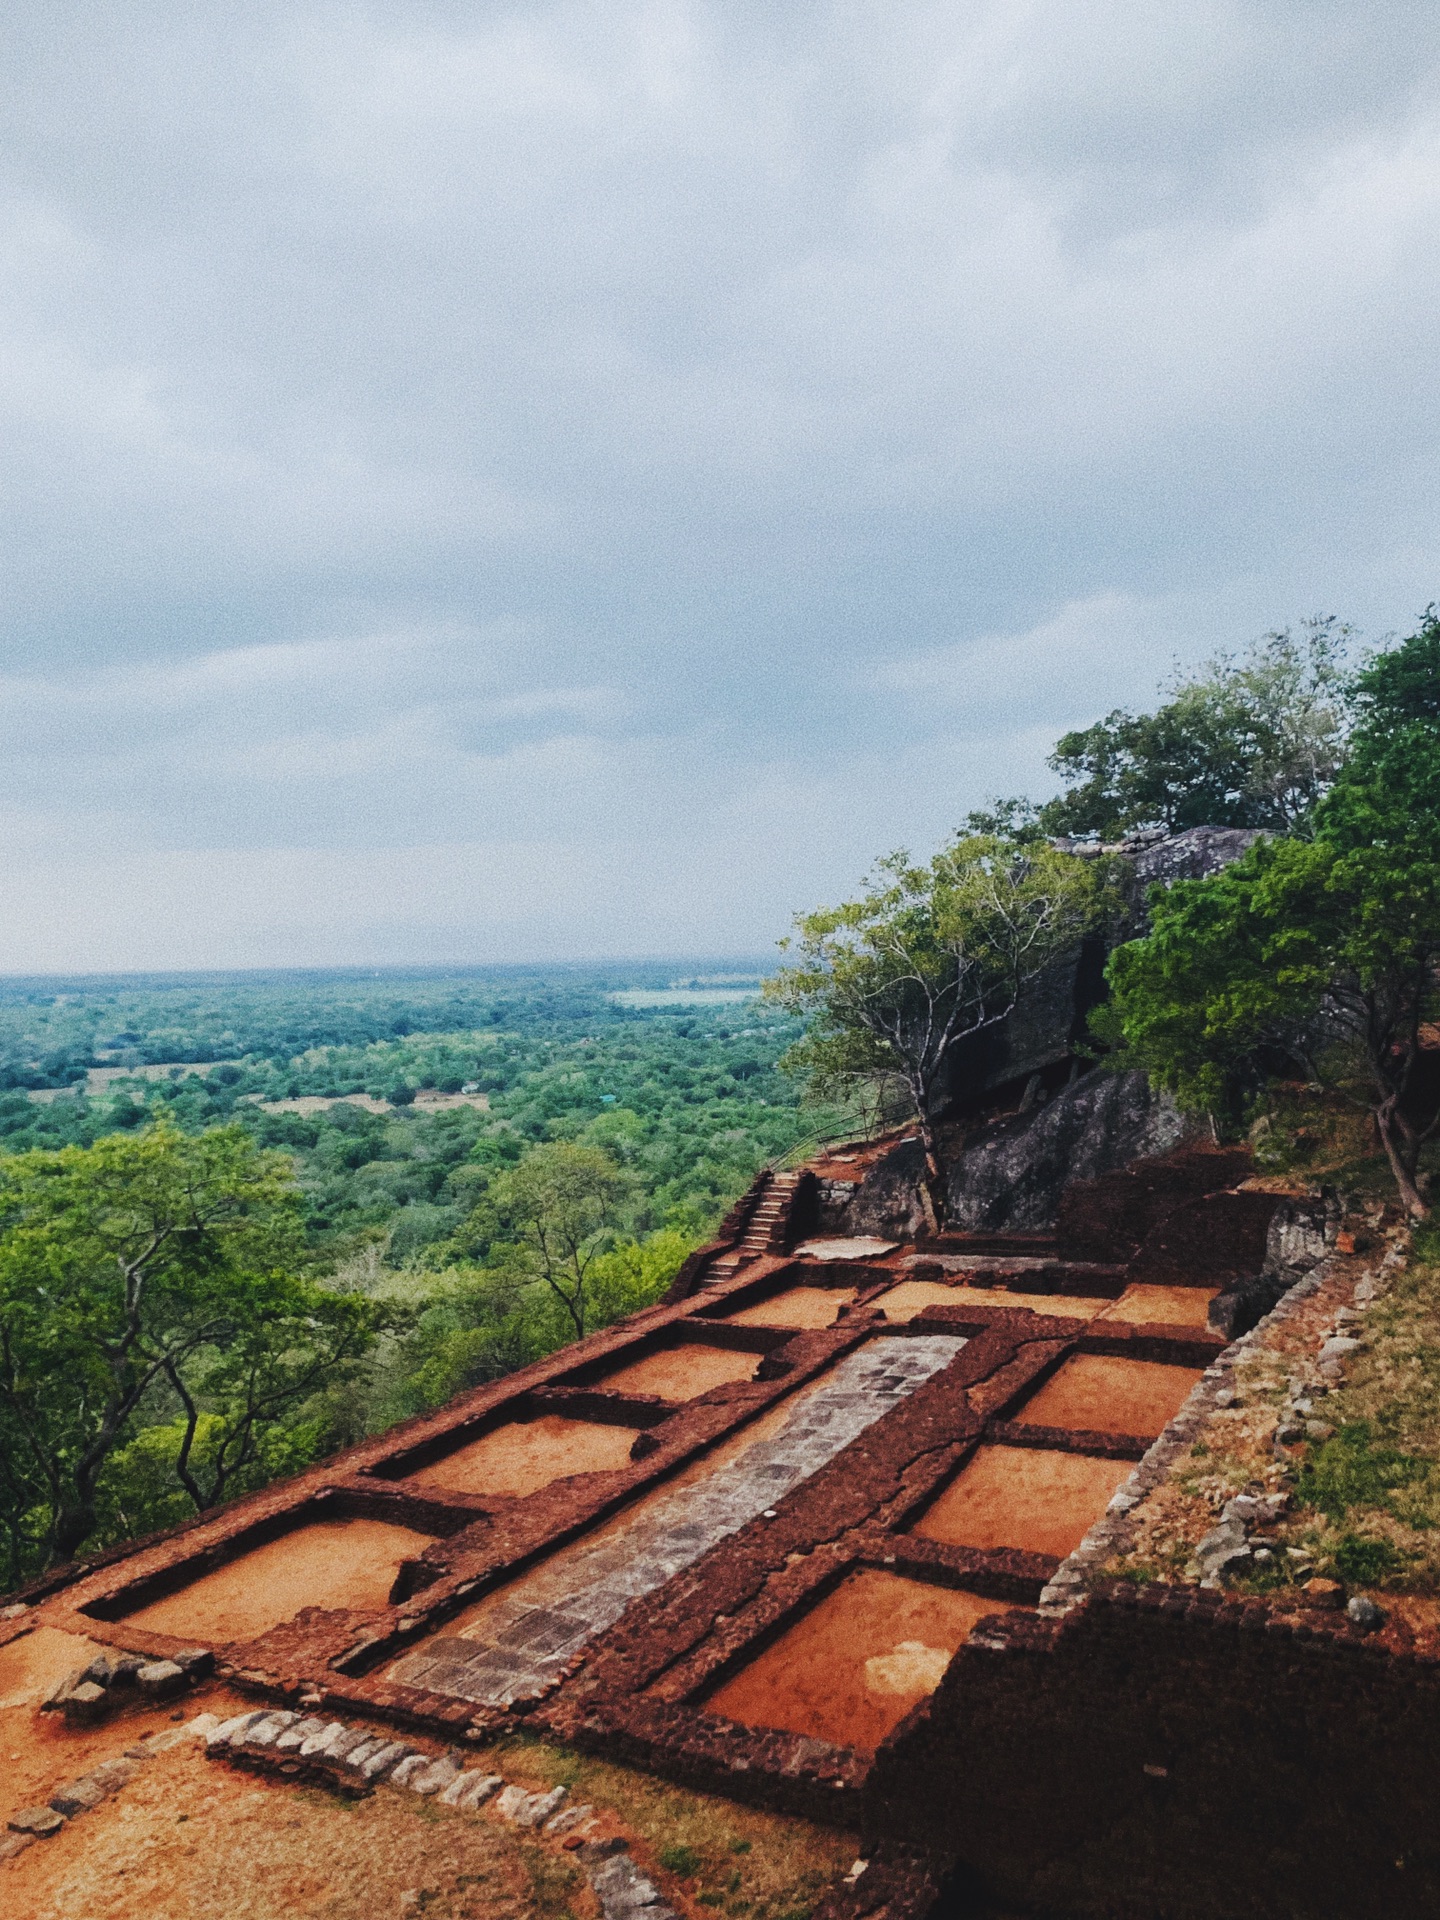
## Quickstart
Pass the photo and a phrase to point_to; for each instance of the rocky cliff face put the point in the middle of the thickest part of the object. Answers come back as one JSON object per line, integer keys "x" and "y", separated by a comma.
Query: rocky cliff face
{"x": 1012, "y": 1175}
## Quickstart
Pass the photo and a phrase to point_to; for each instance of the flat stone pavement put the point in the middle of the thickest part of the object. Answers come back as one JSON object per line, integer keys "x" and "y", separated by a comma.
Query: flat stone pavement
{"x": 533, "y": 1628}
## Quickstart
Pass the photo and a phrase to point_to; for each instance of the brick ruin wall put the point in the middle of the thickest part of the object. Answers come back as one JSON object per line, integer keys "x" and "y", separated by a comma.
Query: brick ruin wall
{"x": 1129, "y": 1755}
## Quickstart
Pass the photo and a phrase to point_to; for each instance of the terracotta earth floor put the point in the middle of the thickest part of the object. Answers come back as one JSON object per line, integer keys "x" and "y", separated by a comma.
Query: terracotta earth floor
{"x": 525, "y": 1455}
{"x": 1103, "y": 1394}
{"x": 796, "y": 1307}
{"x": 682, "y": 1372}
{"x": 1026, "y": 1497}
{"x": 514, "y": 1642}
{"x": 853, "y": 1666}
{"x": 328, "y": 1563}
{"x": 1162, "y": 1306}
{"x": 1069, "y": 1306}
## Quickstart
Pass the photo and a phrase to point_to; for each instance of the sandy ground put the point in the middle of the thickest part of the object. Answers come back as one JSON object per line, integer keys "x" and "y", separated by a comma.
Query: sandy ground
{"x": 683, "y": 1372}
{"x": 525, "y": 1455}
{"x": 194, "y": 1839}
{"x": 1024, "y": 1497}
{"x": 796, "y": 1307}
{"x": 329, "y": 1563}
{"x": 1110, "y": 1395}
{"x": 912, "y": 1296}
{"x": 852, "y": 1668}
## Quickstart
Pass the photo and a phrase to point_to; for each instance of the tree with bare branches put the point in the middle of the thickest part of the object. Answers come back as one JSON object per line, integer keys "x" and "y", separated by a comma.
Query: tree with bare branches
{"x": 928, "y": 956}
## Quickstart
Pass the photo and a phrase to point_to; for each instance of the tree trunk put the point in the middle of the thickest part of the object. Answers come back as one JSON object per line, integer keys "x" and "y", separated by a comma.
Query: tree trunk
{"x": 932, "y": 1179}
{"x": 73, "y": 1526}
{"x": 1400, "y": 1161}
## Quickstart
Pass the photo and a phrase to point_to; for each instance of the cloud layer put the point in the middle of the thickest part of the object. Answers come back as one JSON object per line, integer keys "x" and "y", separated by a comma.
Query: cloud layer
{"x": 506, "y": 481}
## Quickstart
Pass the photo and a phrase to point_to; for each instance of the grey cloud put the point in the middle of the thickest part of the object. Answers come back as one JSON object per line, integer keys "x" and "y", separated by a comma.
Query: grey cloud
{"x": 698, "y": 440}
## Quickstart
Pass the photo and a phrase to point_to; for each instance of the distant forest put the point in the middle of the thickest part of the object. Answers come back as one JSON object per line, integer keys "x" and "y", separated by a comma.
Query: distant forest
{"x": 467, "y": 1116}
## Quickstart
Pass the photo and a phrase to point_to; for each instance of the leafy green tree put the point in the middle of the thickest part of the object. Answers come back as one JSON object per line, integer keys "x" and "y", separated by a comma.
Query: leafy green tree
{"x": 148, "y": 1265}
{"x": 1252, "y": 742}
{"x": 926, "y": 957}
{"x": 563, "y": 1202}
{"x": 1321, "y": 953}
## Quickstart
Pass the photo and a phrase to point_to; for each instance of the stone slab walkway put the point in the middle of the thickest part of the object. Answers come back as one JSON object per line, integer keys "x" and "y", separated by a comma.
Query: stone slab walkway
{"x": 531, "y": 1630}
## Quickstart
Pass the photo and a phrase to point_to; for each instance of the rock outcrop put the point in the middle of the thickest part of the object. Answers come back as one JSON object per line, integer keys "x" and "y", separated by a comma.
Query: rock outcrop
{"x": 1011, "y": 1176}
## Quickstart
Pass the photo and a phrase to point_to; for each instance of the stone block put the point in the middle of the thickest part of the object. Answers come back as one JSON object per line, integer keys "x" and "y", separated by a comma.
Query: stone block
{"x": 87, "y": 1703}
{"x": 78, "y": 1796}
{"x": 297, "y": 1733}
{"x": 434, "y": 1778}
{"x": 39, "y": 1822}
{"x": 471, "y": 1790}
{"x": 381, "y": 1765}
{"x": 541, "y": 1806}
{"x": 160, "y": 1679}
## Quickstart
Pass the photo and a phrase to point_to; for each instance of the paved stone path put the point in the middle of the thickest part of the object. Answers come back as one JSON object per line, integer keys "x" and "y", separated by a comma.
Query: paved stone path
{"x": 533, "y": 1628}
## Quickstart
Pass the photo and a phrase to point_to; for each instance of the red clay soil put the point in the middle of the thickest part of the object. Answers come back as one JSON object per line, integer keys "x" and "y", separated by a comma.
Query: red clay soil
{"x": 1074, "y": 1305}
{"x": 38, "y": 1751}
{"x": 852, "y": 1668}
{"x": 1161, "y": 1306}
{"x": 682, "y": 1372}
{"x": 796, "y": 1307}
{"x": 329, "y": 1563}
{"x": 525, "y": 1455}
{"x": 1023, "y": 1497}
{"x": 1102, "y": 1394}
{"x": 913, "y": 1296}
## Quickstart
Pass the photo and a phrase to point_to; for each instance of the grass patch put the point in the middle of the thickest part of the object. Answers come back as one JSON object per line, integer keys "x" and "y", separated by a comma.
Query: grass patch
{"x": 1369, "y": 1496}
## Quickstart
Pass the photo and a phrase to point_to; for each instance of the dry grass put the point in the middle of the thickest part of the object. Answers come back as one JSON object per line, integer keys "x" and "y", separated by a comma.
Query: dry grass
{"x": 1369, "y": 1497}
{"x": 716, "y": 1854}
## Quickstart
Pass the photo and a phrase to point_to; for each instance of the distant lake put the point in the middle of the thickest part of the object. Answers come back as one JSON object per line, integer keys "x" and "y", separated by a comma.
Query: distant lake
{"x": 683, "y": 996}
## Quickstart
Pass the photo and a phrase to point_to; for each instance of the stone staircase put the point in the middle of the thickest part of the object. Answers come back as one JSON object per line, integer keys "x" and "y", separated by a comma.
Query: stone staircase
{"x": 765, "y": 1232}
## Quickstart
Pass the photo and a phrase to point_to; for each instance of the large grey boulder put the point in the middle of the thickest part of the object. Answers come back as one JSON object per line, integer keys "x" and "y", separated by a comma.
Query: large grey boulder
{"x": 1013, "y": 1176}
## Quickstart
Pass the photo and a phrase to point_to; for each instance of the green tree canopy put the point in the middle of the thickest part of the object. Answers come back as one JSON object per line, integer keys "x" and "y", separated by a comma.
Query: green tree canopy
{"x": 1252, "y": 742}
{"x": 927, "y": 956}
{"x": 563, "y": 1202}
{"x": 1322, "y": 953}
{"x": 151, "y": 1266}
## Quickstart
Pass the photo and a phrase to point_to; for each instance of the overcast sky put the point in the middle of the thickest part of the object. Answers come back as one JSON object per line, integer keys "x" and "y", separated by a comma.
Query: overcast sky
{"x": 490, "y": 482}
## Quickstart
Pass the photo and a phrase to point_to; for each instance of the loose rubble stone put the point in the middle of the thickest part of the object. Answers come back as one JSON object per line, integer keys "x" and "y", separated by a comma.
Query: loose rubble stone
{"x": 40, "y": 1822}
{"x": 12, "y": 1844}
{"x": 623, "y": 1890}
{"x": 511, "y": 1801}
{"x": 408, "y": 1768}
{"x": 1339, "y": 1348}
{"x": 1365, "y": 1613}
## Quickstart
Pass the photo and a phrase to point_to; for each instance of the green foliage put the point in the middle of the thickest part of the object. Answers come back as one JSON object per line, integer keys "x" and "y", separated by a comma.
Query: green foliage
{"x": 1356, "y": 1468}
{"x": 562, "y": 1203}
{"x": 928, "y": 956}
{"x": 1320, "y": 954}
{"x": 1362, "y": 1562}
{"x": 1247, "y": 743}
{"x": 144, "y": 1267}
